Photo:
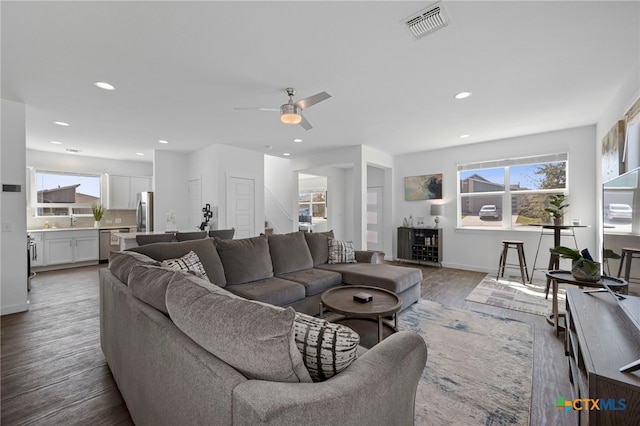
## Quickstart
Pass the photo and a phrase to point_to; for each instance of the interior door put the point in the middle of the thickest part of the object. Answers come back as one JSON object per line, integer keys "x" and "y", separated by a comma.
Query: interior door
{"x": 375, "y": 219}
{"x": 241, "y": 206}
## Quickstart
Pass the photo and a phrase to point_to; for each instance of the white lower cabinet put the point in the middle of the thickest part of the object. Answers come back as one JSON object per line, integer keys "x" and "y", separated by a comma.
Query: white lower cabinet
{"x": 62, "y": 247}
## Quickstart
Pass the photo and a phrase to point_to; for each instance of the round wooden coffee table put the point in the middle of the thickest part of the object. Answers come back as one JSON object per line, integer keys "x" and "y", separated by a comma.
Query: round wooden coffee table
{"x": 384, "y": 303}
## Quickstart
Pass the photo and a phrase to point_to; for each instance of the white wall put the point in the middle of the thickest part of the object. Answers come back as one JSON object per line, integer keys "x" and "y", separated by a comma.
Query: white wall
{"x": 54, "y": 161}
{"x": 13, "y": 245}
{"x": 216, "y": 163}
{"x": 479, "y": 249}
{"x": 170, "y": 171}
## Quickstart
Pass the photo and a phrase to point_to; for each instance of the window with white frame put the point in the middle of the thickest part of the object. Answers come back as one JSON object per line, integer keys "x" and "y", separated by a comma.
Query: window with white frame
{"x": 64, "y": 194}
{"x": 509, "y": 193}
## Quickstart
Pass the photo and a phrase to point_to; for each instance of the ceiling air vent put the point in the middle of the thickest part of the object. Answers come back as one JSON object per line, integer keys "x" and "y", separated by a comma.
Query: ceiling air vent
{"x": 427, "y": 21}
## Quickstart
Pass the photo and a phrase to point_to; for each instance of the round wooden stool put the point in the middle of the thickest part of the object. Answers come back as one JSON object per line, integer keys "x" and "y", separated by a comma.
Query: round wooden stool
{"x": 522, "y": 263}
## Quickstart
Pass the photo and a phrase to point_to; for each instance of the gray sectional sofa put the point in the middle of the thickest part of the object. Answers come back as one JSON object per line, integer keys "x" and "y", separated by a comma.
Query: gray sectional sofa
{"x": 180, "y": 359}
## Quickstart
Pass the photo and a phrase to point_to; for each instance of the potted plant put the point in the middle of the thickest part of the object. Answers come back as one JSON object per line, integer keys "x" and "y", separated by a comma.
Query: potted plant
{"x": 583, "y": 268}
{"x": 556, "y": 207}
{"x": 98, "y": 212}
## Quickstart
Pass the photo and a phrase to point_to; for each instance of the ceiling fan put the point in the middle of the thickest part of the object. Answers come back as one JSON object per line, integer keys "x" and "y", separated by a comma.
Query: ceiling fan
{"x": 291, "y": 112}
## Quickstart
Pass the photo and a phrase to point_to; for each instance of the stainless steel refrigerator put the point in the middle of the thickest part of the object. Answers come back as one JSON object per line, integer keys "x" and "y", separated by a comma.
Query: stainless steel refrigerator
{"x": 144, "y": 212}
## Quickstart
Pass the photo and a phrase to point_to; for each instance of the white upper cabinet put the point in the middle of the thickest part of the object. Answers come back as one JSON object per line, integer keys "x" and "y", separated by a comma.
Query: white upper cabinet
{"x": 124, "y": 189}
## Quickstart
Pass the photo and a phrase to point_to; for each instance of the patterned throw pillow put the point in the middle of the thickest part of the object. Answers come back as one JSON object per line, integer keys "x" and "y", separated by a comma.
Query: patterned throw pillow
{"x": 190, "y": 262}
{"x": 327, "y": 348}
{"x": 341, "y": 251}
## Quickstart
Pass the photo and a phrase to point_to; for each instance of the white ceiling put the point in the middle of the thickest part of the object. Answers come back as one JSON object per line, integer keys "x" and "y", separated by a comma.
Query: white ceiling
{"x": 180, "y": 68}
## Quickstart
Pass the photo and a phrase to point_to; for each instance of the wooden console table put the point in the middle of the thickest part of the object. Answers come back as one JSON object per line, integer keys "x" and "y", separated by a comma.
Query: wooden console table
{"x": 599, "y": 340}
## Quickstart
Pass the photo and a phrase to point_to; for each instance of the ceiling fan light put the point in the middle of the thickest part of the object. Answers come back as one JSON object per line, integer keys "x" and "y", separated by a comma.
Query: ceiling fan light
{"x": 290, "y": 114}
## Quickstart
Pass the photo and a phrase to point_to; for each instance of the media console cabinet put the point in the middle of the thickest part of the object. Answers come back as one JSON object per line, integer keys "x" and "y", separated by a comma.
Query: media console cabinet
{"x": 600, "y": 339}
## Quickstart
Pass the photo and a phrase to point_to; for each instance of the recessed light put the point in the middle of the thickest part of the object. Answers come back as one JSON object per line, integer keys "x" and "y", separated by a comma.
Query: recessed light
{"x": 464, "y": 136}
{"x": 60, "y": 123}
{"x": 104, "y": 85}
{"x": 286, "y": 154}
{"x": 139, "y": 153}
{"x": 56, "y": 143}
{"x": 163, "y": 141}
{"x": 297, "y": 140}
{"x": 73, "y": 151}
{"x": 462, "y": 95}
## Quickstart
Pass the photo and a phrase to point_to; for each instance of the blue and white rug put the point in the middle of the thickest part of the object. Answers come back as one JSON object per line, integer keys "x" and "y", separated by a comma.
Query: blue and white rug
{"x": 510, "y": 293}
{"x": 479, "y": 367}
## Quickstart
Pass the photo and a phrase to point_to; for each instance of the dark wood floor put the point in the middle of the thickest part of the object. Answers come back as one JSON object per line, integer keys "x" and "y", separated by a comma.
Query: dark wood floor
{"x": 53, "y": 371}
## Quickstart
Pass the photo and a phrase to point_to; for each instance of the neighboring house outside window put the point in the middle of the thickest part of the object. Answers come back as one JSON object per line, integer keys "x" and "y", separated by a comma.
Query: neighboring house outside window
{"x": 64, "y": 194}
{"x": 509, "y": 193}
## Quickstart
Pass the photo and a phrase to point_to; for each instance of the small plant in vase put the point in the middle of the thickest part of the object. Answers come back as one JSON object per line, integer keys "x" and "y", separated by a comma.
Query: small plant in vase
{"x": 98, "y": 212}
{"x": 556, "y": 207}
{"x": 583, "y": 267}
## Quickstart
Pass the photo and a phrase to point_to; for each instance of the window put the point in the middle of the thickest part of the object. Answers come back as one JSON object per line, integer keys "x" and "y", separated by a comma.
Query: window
{"x": 64, "y": 194}
{"x": 312, "y": 204}
{"x": 509, "y": 193}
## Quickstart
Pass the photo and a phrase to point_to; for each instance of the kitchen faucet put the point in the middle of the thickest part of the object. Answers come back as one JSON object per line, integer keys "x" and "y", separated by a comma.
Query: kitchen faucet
{"x": 73, "y": 220}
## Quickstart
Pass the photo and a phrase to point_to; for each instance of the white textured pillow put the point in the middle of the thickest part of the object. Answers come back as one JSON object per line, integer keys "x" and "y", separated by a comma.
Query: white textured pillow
{"x": 190, "y": 262}
{"x": 327, "y": 348}
{"x": 341, "y": 251}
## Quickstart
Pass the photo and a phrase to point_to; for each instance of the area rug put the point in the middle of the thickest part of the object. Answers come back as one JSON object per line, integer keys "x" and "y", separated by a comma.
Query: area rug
{"x": 510, "y": 293}
{"x": 479, "y": 367}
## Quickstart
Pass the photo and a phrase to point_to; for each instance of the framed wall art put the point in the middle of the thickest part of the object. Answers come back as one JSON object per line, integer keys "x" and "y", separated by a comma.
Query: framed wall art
{"x": 613, "y": 151}
{"x": 425, "y": 187}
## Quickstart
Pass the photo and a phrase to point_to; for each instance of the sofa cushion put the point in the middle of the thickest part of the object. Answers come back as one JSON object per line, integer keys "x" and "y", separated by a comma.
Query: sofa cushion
{"x": 190, "y": 262}
{"x": 275, "y": 291}
{"x": 389, "y": 277}
{"x": 121, "y": 262}
{"x": 204, "y": 248}
{"x": 245, "y": 260}
{"x": 341, "y": 251}
{"x": 327, "y": 348}
{"x": 318, "y": 243}
{"x": 256, "y": 339}
{"x": 149, "y": 284}
{"x": 289, "y": 252}
{"x": 315, "y": 280}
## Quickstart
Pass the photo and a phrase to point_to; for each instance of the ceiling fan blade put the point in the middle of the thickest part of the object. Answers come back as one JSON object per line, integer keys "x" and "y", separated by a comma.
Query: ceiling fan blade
{"x": 312, "y": 100}
{"x": 256, "y": 109}
{"x": 305, "y": 124}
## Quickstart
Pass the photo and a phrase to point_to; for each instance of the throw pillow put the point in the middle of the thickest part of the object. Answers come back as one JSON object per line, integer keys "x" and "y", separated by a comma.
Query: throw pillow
{"x": 255, "y": 338}
{"x": 341, "y": 251}
{"x": 327, "y": 348}
{"x": 289, "y": 253}
{"x": 318, "y": 243}
{"x": 121, "y": 263}
{"x": 190, "y": 262}
{"x": 245, "y": 260}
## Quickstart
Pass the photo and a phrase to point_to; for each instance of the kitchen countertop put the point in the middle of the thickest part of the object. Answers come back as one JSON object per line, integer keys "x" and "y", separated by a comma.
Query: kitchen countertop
{"x": 132, "y": 235}
{"x": 81, "y": 228}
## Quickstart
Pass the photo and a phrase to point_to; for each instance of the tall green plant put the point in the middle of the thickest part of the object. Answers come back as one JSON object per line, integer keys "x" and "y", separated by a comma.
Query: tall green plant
{"x": 98, "y": 211}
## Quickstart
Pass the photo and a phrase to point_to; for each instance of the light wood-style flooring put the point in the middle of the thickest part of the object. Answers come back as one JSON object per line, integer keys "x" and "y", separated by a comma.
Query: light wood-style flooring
{"x": 53, "y": 371}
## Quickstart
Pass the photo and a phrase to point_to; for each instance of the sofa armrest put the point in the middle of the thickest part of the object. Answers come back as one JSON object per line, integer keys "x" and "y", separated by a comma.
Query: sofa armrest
{"x": 377, "y": 388}
{"x": 369, "y": 256}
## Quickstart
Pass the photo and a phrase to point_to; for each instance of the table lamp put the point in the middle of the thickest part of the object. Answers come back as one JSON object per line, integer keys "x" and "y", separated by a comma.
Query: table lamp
{"x": 437, "y": 210}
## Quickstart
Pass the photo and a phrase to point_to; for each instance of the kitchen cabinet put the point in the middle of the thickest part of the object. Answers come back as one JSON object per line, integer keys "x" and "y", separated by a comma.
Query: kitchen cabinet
{"x": 62, "y": 247}
{"x": 123, "y": 191}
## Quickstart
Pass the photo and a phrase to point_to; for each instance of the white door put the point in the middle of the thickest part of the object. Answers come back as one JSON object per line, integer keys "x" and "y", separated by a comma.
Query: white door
{"x": 240, "y": 206}
{"x": 195, "y": 204}
{"x": 375, "y": 222}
